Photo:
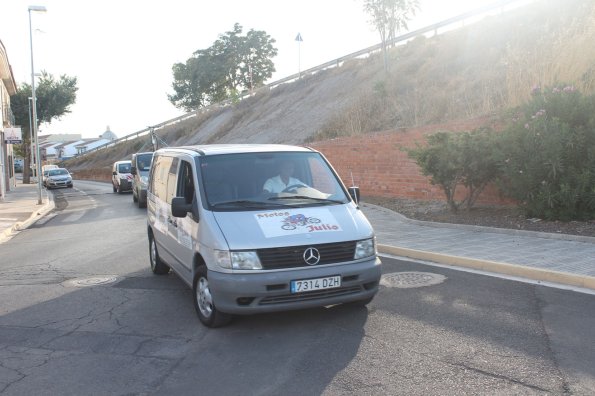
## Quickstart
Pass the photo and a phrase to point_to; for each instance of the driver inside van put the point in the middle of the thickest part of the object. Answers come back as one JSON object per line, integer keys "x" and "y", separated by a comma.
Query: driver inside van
{"x": 279, "y": 183}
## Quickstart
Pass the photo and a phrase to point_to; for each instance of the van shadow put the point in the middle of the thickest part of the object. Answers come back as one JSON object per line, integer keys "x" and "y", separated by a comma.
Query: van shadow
{"x": 147, "y": 323}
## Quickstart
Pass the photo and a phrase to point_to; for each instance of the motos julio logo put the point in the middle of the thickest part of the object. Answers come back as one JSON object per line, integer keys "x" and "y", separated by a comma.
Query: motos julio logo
{"x": 293, "y": 222}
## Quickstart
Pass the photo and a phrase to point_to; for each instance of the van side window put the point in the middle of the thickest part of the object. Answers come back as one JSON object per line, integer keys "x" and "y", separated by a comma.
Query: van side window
{"x": 171, "y": 180}
{"x": 186, "y": 182}
{"x": 159, "y": 179}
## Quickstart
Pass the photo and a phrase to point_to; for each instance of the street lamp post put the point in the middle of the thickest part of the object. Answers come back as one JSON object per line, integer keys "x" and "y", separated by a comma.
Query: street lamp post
{"x": 34, "y": 104}
{"x": 299, "y": 39}
{"x": 32, "y": 148}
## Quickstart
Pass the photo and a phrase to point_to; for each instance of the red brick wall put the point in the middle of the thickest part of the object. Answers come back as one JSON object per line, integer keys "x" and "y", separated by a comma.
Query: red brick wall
{"x": 380, "y": 167}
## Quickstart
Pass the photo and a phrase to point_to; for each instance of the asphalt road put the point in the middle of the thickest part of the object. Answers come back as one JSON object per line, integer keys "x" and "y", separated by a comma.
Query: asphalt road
{"x": 81, "y": 313}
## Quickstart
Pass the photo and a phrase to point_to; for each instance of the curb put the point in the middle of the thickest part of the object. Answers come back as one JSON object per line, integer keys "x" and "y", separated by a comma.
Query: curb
{"x": 468, "y": 227}
{"x": 537, "y": 274}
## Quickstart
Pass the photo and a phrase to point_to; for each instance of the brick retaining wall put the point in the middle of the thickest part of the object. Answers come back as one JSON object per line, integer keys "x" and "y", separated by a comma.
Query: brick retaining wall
{"x": 95, "y": 174}
{"x": 380, "y": 167}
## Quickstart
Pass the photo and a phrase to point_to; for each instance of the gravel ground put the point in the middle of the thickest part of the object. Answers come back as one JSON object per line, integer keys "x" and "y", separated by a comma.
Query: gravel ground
{"x": 489, "y": 216}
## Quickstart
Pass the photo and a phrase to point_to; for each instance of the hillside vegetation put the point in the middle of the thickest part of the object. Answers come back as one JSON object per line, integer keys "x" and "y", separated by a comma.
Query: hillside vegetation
{"x": 479, "y": 69}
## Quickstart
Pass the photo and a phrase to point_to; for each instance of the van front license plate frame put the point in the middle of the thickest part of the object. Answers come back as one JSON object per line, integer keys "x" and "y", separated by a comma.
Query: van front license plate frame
{"x": 306, "y": 285}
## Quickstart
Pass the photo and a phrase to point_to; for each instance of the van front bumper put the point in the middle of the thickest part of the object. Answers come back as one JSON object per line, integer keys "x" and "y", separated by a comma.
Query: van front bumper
{"x": 125, "y": 185}
{"x": 270, "y": 291}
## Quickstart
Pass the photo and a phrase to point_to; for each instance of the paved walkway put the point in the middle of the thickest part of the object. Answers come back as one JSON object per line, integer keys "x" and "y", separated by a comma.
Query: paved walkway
{"x": 20, "y": 209}
{"x": 557, "y": 258}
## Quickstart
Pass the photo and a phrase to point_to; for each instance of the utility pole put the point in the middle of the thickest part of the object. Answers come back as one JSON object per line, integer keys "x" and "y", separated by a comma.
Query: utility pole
{"x": 154, "y": 141}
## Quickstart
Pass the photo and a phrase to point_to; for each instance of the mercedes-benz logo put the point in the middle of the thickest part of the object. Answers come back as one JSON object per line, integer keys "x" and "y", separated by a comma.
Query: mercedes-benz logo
{"x": 311, "y": 256}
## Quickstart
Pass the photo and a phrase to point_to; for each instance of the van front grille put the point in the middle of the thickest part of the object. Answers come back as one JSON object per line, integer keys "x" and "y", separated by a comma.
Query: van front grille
{"x": 293, "y": 256}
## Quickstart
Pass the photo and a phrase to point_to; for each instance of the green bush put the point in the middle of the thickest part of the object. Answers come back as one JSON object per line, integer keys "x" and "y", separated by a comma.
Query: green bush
{"x": 549, "y": 155}
{"x": 453, "y": 159}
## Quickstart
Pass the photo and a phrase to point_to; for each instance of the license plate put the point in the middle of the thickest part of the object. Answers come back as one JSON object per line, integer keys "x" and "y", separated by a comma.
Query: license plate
{"x": 305, "y": 285}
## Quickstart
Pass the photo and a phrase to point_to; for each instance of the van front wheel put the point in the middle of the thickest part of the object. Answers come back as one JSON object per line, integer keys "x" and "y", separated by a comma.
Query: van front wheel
{"x": 203, "y": 301}
{"x": 157, "y": 266}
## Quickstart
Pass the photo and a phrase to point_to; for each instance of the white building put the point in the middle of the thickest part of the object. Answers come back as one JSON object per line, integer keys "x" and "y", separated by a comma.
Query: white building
{"x": 90, "y": 144}
{"x": 108, "y": 134}
{"x": 8, "y": 88}
{"x": 68, "y": 149}
{"x": 48, "y": 151}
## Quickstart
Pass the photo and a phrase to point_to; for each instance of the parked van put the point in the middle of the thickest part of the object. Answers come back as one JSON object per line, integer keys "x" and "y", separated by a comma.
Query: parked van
{"x": 141, "y": 165}
{"x": 258, "y": 228}
{"x": 121, "y": 176}
{"x": 48, "y": 167}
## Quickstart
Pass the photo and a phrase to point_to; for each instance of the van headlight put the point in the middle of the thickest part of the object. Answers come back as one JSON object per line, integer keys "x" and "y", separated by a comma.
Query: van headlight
{"x": 365, "y": 248}
{"x": 144, "y": 180}
{"x": 238, "y": 260}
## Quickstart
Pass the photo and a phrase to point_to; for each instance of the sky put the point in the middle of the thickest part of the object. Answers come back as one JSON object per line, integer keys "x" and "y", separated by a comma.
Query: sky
{"x": 122, "y": 51}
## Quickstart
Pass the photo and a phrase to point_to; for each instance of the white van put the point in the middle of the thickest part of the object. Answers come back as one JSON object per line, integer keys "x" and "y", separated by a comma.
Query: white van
{"x": 48, "y": 167}
{"x": 121, "y": 176}
{"x": 258, "y": 228}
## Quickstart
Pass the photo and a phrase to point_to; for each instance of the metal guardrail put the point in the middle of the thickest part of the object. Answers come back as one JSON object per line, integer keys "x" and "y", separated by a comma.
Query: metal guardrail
{"x": 334, "y": 63}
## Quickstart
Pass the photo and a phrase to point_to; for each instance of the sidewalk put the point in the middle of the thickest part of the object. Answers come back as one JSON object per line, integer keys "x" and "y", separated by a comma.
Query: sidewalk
{"x": 556, "y": 258}
{"x": 20, "y": 209}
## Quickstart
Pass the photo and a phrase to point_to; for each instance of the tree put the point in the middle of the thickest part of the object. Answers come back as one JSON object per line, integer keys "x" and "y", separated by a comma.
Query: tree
{"x": 53, "y": 99}
{"x": 390, "y": 17}
{"x": 234, "y": 63}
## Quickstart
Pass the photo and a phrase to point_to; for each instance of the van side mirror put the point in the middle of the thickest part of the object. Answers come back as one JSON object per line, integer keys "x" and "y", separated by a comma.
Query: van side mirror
{"x": 179, "y": 207}
{"x": 133, "y": 170}
{"x": 114, "y": 173}
{"x": 354, "y": 193}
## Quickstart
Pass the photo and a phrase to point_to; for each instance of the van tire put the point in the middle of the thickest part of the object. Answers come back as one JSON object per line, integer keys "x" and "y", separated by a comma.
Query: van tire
{"x": 157, "y": 265}
{"x": 205, "y": 308}
{"x": 134, "y": 198}
{"x": 114, "y": 187}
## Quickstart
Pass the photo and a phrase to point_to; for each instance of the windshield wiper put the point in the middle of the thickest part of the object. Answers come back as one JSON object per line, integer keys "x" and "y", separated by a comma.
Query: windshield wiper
{"x": 307, "y": 197}
{"x": 245, "y": 203}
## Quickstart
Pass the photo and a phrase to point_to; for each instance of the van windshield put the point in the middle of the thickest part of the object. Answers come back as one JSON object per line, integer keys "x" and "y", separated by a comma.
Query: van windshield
{"x": 143, "y": 162}
{"x": 124, "y": 168}
{"x": 268, "y": 180}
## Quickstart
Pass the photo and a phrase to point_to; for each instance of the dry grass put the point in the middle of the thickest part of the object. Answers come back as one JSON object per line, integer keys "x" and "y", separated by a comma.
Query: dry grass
{"x": 481, "y": 69}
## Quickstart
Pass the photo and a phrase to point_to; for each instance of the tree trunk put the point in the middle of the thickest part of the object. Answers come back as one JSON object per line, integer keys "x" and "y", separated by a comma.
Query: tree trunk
{"x": 26, "y": 161}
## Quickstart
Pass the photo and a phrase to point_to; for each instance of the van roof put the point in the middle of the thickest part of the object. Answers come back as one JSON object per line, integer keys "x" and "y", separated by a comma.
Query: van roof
{"x": 215, "y": 149}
